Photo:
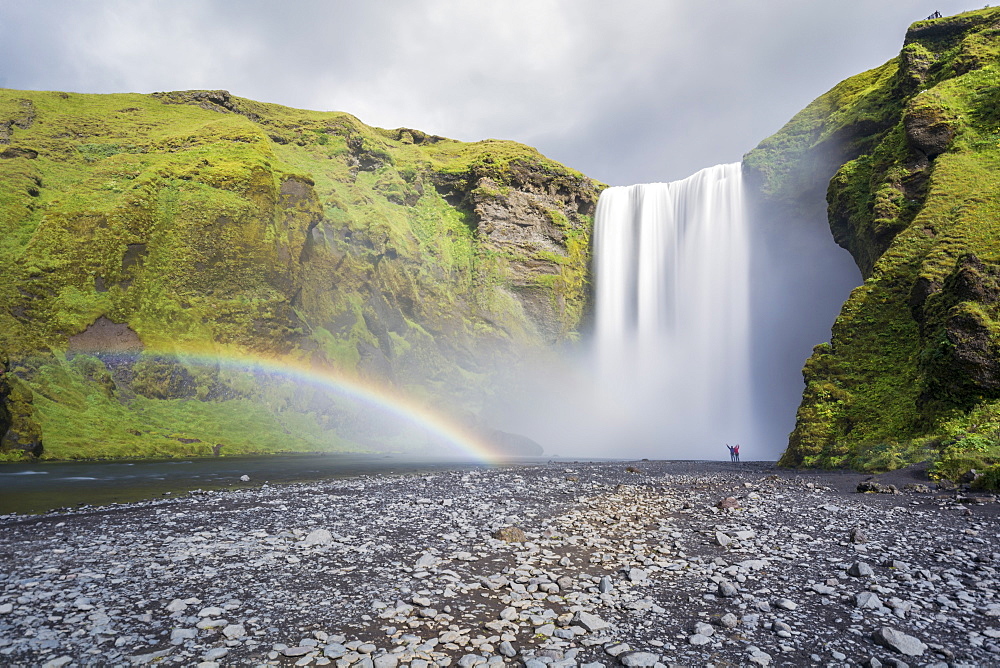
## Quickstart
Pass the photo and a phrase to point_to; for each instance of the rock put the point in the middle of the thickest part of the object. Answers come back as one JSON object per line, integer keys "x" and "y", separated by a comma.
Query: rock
{"x": 729, "y": 621}
{"x": 176, "y": 605}
{"x": 591, "y": 623}
{"x": 860, "y": 569}
{"x": 507, "y": 649}
{"x": 334, "y": 651}
{"x": 58, "y": 662}
{"x": 701, "y": 628}
{"x": 728, "y": 503}
{"x": 639, "y": 659}
{"x": 215, "y": 653}
{"x": 698, "y": 639}
{"x": 872, "y": 487}
{"x": 234, "y": 631}
{"x": 178, "y": 636}
{"x": 786, "y": 604}
{"x": 470, "y": 660}
{"x": 244, "y": 478}
{"x": 753, "y": 564}
{"x": 297, "y": 651}
{"x": 385, "y": 661}
{"x": 606, "y": 585}
{"x": 857, "y": 536}
{"x": 318, "y": 537}
{"x": 510, "y": 535}
{"x": 929, "y": 129}
{"x": 211, "y": 611}
{"x": 822, "y": 589}
{"x": 6, "y": 608}
{"x": 616, "y": 649}
{"x": 898, "y": 641}
{"x": 867, "y": 600}
{"x": 722, "y": 540}
{"x": 637, "y": 575}
{"x": 426, "y": 560}
{"x": 758, "y": 657}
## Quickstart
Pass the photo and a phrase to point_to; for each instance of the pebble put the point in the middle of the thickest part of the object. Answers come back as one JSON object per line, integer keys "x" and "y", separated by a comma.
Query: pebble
{"x": 607, "y": 566}
{"x": 639, "y": 659}
{"x": 318, "y": 537}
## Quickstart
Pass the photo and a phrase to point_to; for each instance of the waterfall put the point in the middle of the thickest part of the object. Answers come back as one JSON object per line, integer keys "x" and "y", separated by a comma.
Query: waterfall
{"x": 672, "y": 266}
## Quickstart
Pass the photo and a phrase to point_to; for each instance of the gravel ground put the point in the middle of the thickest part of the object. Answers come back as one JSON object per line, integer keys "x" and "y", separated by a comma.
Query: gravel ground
{"x": 672, "y": 563}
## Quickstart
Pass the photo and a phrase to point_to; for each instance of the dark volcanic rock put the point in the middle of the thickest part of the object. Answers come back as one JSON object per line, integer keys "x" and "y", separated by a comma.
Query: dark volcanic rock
{"x": 928, "y": 130}
{"x": 873, "y": 487}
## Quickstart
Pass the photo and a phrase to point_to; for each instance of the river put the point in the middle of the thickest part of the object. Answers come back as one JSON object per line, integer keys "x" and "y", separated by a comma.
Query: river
{"x": 41, "y": 487}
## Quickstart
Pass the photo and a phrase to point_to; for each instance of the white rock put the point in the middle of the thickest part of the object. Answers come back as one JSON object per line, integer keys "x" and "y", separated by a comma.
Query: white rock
{"x": 590, "y": 622}
{"x": 58, "y": 662}
{"x": 178, "y": 636}
{"x": 176, "y": 605}
{"x": 211, "y": 611}
{"x": 318, "y": 537}
{"x": 234, "y": 631}
{"x": 426, "y": 560}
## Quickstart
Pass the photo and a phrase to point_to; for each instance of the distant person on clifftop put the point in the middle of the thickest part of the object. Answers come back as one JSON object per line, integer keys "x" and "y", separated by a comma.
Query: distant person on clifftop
{"x": 732, "y": 453}
{"x": 736, "y": 453}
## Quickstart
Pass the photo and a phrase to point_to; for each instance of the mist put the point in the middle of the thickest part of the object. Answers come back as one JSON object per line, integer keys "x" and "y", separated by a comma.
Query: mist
{"x": 716, "y": 378}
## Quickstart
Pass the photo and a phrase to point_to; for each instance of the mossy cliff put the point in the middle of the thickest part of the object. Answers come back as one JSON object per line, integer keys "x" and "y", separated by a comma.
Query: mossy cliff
{"x": 910, "y": 154}
{"x": 137, "y": 229}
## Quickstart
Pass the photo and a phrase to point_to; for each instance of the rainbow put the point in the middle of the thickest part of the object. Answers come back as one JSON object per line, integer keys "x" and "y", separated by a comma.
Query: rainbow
{"x": 461, "y": 440}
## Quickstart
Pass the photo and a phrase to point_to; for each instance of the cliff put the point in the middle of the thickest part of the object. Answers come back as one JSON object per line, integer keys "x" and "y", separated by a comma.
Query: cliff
{"x": 909, "y": 154}
{"x": 143, "y": 233}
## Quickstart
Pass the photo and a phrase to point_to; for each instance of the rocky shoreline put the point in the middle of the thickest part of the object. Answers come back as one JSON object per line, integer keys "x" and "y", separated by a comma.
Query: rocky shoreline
{"x": 672, "y": 563}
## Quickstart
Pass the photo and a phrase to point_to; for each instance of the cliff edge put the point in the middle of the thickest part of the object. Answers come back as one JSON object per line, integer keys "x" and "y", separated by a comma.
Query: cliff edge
{"x": 909, "y": 154}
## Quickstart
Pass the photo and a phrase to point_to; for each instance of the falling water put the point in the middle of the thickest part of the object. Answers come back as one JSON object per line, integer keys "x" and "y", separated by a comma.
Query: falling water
{"x": 672, "y": 266}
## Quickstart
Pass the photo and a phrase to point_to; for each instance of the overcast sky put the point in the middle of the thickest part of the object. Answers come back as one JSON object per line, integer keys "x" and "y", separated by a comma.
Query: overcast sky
{"x": 626, "y": 91}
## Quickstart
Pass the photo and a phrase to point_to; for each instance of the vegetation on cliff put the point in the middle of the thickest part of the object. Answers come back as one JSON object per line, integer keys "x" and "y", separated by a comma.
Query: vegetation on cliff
{"x": 911, "y": 153}
{"x": 139, "y": 230}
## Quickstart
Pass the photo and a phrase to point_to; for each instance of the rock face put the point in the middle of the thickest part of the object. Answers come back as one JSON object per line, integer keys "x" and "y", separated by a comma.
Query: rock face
{"x": 19, "y": 430}
{"x": 145, "y": 228}
{"x": 908, "y": 150}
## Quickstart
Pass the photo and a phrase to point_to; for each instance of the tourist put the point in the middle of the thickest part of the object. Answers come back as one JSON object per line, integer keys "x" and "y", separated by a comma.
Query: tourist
{"x": 736, "y": 453}
{"x": 732, "y": 453}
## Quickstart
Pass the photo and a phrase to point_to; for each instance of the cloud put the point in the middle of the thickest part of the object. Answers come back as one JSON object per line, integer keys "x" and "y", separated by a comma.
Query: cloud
{"x": 637, "y": 90}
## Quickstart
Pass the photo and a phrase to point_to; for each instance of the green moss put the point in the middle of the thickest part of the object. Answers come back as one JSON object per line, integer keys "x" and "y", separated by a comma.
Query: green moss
{"x": 214, "y": 224}
{"x": 914, "y": 148}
